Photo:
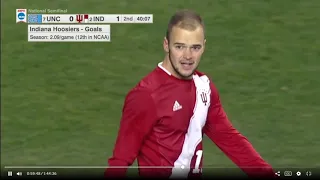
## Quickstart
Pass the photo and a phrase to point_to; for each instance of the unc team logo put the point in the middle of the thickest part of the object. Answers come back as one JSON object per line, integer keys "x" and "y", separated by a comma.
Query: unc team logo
{"x": 21, "y": 15}
{"x": 204, "y": 98}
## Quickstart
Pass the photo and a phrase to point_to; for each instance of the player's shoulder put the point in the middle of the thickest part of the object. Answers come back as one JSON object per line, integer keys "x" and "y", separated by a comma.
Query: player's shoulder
{"x": 150, "y": 82}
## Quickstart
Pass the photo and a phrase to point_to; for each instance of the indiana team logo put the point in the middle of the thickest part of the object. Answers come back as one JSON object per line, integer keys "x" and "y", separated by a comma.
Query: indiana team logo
{"x": 204, "y": 98}
{"x": 21, "y": 15}
{"x": 79, "y": 18}
{"x": 82, "y": 18}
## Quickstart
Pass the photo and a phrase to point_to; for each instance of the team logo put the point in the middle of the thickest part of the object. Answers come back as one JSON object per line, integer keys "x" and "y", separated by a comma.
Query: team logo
{"x": 204, "y": 99}
{"x": 34, "y": 18}
{"x": 82, "y": 18}
{"x": 21, "y": 15}
{"x": 79, "y": 18}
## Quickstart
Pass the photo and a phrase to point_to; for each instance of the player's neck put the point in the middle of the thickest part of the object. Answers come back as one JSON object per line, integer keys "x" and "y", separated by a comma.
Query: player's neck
{"x": 168, "y": 67}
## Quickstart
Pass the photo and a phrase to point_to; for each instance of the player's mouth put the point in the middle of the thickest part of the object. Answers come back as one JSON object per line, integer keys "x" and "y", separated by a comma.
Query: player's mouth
{"x": 187, "y": 65}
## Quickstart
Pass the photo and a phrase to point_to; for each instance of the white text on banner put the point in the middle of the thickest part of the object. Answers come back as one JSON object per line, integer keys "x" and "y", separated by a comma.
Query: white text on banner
{"x": 69, "y": 33}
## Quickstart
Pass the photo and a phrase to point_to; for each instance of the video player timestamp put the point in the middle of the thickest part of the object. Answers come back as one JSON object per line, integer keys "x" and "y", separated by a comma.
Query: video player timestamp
{"x": 41, "y": 173}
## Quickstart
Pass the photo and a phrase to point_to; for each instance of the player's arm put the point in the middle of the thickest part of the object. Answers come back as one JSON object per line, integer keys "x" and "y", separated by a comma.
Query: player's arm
{"x": 138, "y": 117}
{"x": 220, "y": 130}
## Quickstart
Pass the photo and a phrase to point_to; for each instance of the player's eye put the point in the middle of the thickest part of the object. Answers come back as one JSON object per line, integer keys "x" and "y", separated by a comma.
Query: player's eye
{"x": 196, "y": 47}
{"x": 179, "y": 47}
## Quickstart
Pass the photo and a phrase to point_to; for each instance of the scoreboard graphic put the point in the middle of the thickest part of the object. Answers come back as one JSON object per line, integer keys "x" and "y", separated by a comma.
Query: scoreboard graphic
{"x": 75, "y": 27}
{"x": 89, "y": 18}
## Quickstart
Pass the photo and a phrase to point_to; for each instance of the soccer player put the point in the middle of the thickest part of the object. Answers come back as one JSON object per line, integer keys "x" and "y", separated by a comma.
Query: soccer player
{"x": 166, "y": 114}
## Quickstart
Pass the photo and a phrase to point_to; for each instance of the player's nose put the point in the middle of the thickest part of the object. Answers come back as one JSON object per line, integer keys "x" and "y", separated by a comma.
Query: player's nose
{"x": 187, "y": 54}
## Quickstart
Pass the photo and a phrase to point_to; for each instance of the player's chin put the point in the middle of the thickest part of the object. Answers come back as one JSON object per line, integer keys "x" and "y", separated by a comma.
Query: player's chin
{"x": 187, "y": 74}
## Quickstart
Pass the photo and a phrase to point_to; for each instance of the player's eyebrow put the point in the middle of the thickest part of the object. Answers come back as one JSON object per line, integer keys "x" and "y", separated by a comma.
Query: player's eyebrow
{"x": 197, "y": 45}
{"x": 183, "y": 44}
{"x": 177, "y": 43}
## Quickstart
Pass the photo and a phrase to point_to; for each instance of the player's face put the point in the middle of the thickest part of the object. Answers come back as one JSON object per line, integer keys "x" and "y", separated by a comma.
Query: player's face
{"x": 185, "y": 49}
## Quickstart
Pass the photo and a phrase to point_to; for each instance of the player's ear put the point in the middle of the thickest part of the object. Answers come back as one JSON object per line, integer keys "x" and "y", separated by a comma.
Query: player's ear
{"x": 204, "y": 43}
{"x": 166, "y": 44}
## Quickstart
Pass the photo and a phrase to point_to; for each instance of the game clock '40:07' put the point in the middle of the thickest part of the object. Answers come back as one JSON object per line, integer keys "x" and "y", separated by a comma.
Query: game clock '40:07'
{"x": 143, "y": 19}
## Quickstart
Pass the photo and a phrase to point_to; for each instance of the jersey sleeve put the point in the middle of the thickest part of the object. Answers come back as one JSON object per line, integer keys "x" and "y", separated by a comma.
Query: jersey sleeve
{"x": 138, "y": 117}
{"x": 236, "y": 146}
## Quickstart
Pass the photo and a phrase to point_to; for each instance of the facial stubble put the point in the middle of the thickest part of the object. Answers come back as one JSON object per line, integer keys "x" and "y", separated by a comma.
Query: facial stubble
{"x": 176, "y": 69}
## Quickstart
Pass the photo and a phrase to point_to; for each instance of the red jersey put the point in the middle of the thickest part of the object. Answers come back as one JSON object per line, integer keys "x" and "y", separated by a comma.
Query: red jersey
{"x": 162, "y": 125}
